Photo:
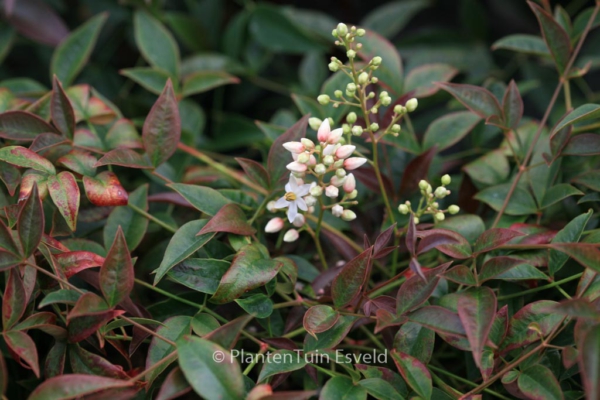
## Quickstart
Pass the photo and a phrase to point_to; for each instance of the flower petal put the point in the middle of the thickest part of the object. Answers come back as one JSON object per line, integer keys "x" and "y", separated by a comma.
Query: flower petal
{"x": 282, "y": 203}
{"x": 292, "y": 211}
{"x": 301, "y": 204}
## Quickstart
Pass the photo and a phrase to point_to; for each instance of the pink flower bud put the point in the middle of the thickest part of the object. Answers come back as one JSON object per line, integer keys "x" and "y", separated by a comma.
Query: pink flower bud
{"x": 349, "y": 183}
{"x": 329, "y": 150}
{"x": 332, "y": 191}
{"x": 312, "y": 161}
{"x": 335, "y": 136}
{"x": 345, "y": 151}
{"x": 274, "y": 225}
{"x": 291, "y": 236}
{"x": 324, "y": 131}
{"x": 296, "y": 167}
{"x": 294, "y": 147}
{"x": 354, "y": 162}
{"x": 337, "y": 181}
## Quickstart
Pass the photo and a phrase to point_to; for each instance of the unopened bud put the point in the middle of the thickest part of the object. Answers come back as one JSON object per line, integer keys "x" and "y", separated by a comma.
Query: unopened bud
{"x": 440, "y": 192}
{"x": 342, "y": 29}
{"x": 345, "y": 151}
{"x": 303, "y": 158}
{"x": 337, "y": 210}
{"x": 316, "y": 191}
{"x": 310, "y": 201}
{"x": 403, "y": 209}
{"x": 423, "y": 184}
{"x": 271, "y": 206}
{"x": 291, "y": 236}
{"x": 396, "y": 128}
{"x": 416, "y": 219}
{"x": 354, "y": 162}
{"x": 274, "y": 225}
{"x": 348, "y": 215}
{"x": 323, "y": 99}
{"x": 320, "y": 169}
{"x": 332, "y": 191}
{"x": 314, "y": 123}
{"x": 360, "y": 32}
{"x": 376, "y": 61}
{"x": 328, "y": 160}
{"x": 374, "y": 127}
{"x": 349, "y": 184}
{"x": 357, "y": 130}
{"x": 346, "y": 129}
{"x": 340, "y": 173}
{"x": 333, "y": 66}
{"x": 351, "y": 87}
{"x": 411, "y": 105}
{"x": 374, "y": 110}
{"x": 338, "y": 94}
{"x": 351, "y": 117}
{"x": 439, "y": 216}
{"x": 307, "y": 143}
{"x": 453, "y": 209}
{"x": 299, "y": 220}
{"x": 446, "y": 180}
{"x": 353, "y": 194}
{"x": 363, "y": 78}
{"x": 351, "y": 53}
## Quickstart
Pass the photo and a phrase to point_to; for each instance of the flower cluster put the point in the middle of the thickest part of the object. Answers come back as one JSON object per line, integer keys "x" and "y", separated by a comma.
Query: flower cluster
{"x": 328, "y": 162}
{"x": 429, "y": 201}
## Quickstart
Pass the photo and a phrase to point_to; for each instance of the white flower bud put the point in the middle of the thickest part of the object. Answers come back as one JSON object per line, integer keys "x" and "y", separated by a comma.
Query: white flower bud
{"x": 349, "y": 184}
{"x": 354, "y": 162}
{"x": 403, "y": 209}
{"x": 331, "y": 191}
{"x": 338, "y": 164}
{"x": 340, "y": 173}
{"x": 360, "y": 32}
{"x": 411, "y": 105}
{"x": 312, "y": 161}
{"x": 295, "y": 166}
{"x": 307, "y": 143}
{"x": 363, "y": 78}
{"x": 440, "y": 192}
{"x": 314, "y": 123}
{"x": 294, "y": 147}
{"x": 345, "y": 129}
{"x": 335, "y": 136}
{"x": 416, "y": 219}
{"x": 386, "y": 101}
{"x": 453, "y": 209}
{"x": 274, "y": 225}
{"x": 338, "y": 94}
{"x": 303, "y": 158}
{"x": 345, "y": 151}
{"x": 376, "y": 61}
{"x": 291, "y": 236}
{"x": 342, "y": 29}
{"x": 316, "y": 191}
{"x": 336, "y": 181}
{"x": 323, "y": 99}
{"x": 398, "y": 109}
{"x": 439, "y": 216}
{"x": 351, "y": 54}
{"x": 337, "y": 210}
{"x": 351, "y": 87}
{"x": 348, "y": 215}
{"x": 374, "y": 127}
{"x": 311, "y": 210}
{"x": 320, "y": 169}
{"x": 446, "y": 180}
{"x": 374, "y": 110}
{"x": 334, "y": 33}
{"x": 423, "y": 184}
{"x": 324, "y": 130}
{"x": 328, "y": 160}
{"x": 396, "y": 128}
{"x": 310, "y": 201}
{"x": 299, "y": 220}
{"x": 333, "y": 66}
{"x": 351, "y": 117}
{"x": 357, "y": 130}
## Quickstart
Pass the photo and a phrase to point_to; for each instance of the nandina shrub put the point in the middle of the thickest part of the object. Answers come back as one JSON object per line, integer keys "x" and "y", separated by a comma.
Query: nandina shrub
{"x": 395, "y": 235}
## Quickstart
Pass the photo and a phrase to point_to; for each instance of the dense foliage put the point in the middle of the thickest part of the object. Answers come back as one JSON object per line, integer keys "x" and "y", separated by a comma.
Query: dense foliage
{"x": 255, "y": 201}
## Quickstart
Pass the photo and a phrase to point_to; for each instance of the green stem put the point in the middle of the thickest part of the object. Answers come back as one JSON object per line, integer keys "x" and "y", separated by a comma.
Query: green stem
{"x": 381, "y": 290}
{"x": 465, "y": 381}
{"x": 259, "y": 209}
{"x": 152, "y": 218}
{"x": 540, "y": 288}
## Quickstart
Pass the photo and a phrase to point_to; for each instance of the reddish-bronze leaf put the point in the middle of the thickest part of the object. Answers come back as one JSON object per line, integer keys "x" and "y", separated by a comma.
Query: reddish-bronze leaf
{"x": 30, "y": 224}
{"x": 125, "y": 158}
{"x": 255, "y": 171}
{"x": 61, "y": 110}
{"x": 348, "y": 284}
{"x": 23, "y": 348}
{"x": 22, "y": 125}
{"x": 73, "y": 386}
{"x": 14, "y": 300}
{"x": 116, "y": 274}
{"x": 319, "y": 318}
{"x": 415, "y": 171}
{"x": 64, "y": 192}
{"x": 105, "y": 190}
{"x": 89, "y": 314}
{"x": 230, "y": 218}
{"x": 31, "y": 177}
{"x": 74, "y": 261}
{"x": 477, "y": 309}
{"x": 477, "y": 99}
{"x": 494, "y": 238}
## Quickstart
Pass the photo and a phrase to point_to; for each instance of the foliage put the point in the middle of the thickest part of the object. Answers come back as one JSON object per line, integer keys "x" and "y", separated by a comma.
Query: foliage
{"x": 144, "y": 248}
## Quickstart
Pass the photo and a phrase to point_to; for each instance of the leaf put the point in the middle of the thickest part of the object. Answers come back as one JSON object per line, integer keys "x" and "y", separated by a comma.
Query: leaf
{"x": 201, "y": 274}
{"x": 151, "y": 79}
{"x": 281, "y": 361}
{"x": 380, "y": 389}
{"x": 497, "y": 266}
{"x": 491, "y": 169}
{"x": 390, "y": 72}
{"x": 7, "y": 241}
{"x": 64, "y": 296}
{"x": 494, "y": 238}
{"x": 175, "y": 385}
{"x": 84, "y": 362}
{"x": 24, "y": 348}
{"x": 22, "y": 125}
{"x": 203, "y": 81}
{"x": 558, "y": 193}
{"x": 249, "y": 269}
{"x": 213, "y": 380}
{"x": 64, "y": 192}
{"x": 123, "y": 134}
{"x": 162, "y": 127}
{"x": 416, "y": 170}
{"x": 319, "y": 318}
{"x": 414, "y": 373}
{"x": 134, "y": 225}
{"x": 79, "y": 161}
{"x": 25, "y": 18}
{"x": 183, "y": 244}
{"x": 538, "y": 312}
{"x": 173, "y": 329}
{"x": 257, "y": 305}
{"x": 342, "y": 388}
{"x": 348, "y": 284}
{"x": 462, "y": 275}
{"x": 230, "y": 218}
{"x": 521, "y": 201}
{"x": 421, "y": 80}
{"x": 589, "y": 362}
{"x": 278, "y": 159}
{"x": 449, "y": 130}
{"x": 585, "y": 144}
{"x": 105, "y": 190}
{"x": 390, "y": 18}
{"x": 439, "y": 319}
{"x": 255, "y": 171}
{"x": 126, "y": 158}
{"x": 586, "y": 254}
{"x": 521, "y": 43}
{"x": 116, "y": 274}
{"x": 512, "y": 105}
{"x": 228, "y": 334}
{"x": 73, "y": 53}
{"x": 156, "y": 43}
{"x": 203, "y": 198}
{"x": 477, "y": 99}
{"x": 571, "y": 233}
{"x": 14, "y": 300}
{"x": 331, "y": 337}
{"x": 71, "y": 386}
{"x": 538, "y": 383}
{"x": 555, "y": 37}
{"x": 25, "y": 158}
{"x": 30, "y": 223}
{"x": 61, "y": 110}
{"x": 89, "y": 314}
{"x": 581, "y": 113}
{"x": 458, "y": 248}
{"x": 477, "y": 309}
{"x": 416, "y": 290}
{"x": 415, "y": 340}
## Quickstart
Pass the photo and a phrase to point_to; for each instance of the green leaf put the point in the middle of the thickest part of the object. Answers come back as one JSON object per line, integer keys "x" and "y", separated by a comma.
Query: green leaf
{"x": 22, "y": 125}
{"x": 61, "y": 110}
{"x": 162, "y": 127}
{"x": 64, "y": 191}
{"x": 116, "y": 274}
{"x": 415, "y": 340}
{"x": 512, "y": 105}
{"x": 380, "y": 389}
{"x": 589, "y": 362}
{"x": 30, "y": 224}
{"x": 126, "y": 158}
{"x": 281, "y": 361}
{"x": 14, "y": 300}
{"x": 501, "y": 267}
{"x": 203, "y": 81}
{"x": 203, "y": 198}
{"x": 477, "y": 309}
{"x": 449, "y": 130}
{"x": 571, "y": 233}
{"x": 559, "y": 192}
{"x": 390, "y": 72}
{"x": 7, "y": 241}
{"x": 156, "y": 43}
{"x": 201, "y": 274}
{"x": 416, "y": 290}
{"x": 319, "y": 319}
{"x": 173, "y": 329}
{"x": 538, "y": 383}
{"x": 581, "y": 113}
{"x": 73, "y": 52}
{"x": 586, "y": 254}
{"x": 151, "y": 79}
{"x": 203, "y": 324}
{"x": 213, "y": 380}
{"x": 390, "y": 18}
{"x": 414, "y": 373}
{"x": 257, "y": 305}
{"x": 494, "y": 238}
{"x": 585, "y": 144}
{"x": 230, "y": 218}
{"x": 538, "y": 312}
{"x": 71, "y": 386}
{"x": 477, "y": 99}
{"x": 521, "y": 43}
{"x": 133, "y": 224}
{"x": 555, "y": 37}
{"x": 25, "y": 158}
{"x": 255, "y": 171}
{"x": 521, "y": 201}
{"x": 79, "y": 161}
{"x": 183, "y": 244}
{"x": 348, "y": 284}
{"x": 228, "y": 334}
{"x": 342, "y": 388}
{"x": 249, "y": 269}
{"x": 331, "y": 337}
{"x": 23, "y": 347}
{"x": 422, "y": 78}
{"x": 64, "y": 296}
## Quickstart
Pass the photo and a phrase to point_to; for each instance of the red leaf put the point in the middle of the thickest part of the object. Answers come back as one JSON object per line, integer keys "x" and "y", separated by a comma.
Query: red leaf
{"x": 61, "y": 110}
{"x": 26, "y": 17}
{"x": 415, "y": 171}
{"x": 22, "y": 125}
{"x": 14, "y": 300}
{"x": 477, "y": 99}
{"x": 64, "y": 192}
{"x": 105, "y": 190}
{"x": 461, "y": 249}
{"x": 87, "y": 316}
{"x": 278, "y": 158}
{"x": 555, "y": 37}
{"x": 347, "y": 285}
{"x": 512, "y": 104}
{"x": 586, "y": 254}
{"x": 494, "y": 238}
{"x": 29, "y": 178}
{"x": 255, "y": 171}
{"x": 116, "y": 274}
{"x": 72, "y": 386}
{"x": 24, "y": 349}
{"x": 125, "y": 157}
{"x": 230, "y": 218}
{"x": 30, "y": 224}
{"x": 74, "y": 261}
{"x": 319, "y": 318}
{"x": 416, "y": 290}
{"x": 162, "y": 128}
{"x": 477, "y": 309}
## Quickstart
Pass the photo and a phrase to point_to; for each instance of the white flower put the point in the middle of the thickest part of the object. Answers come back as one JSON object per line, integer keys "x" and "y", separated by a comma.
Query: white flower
{"x": 292, "y": 199}
{"x": 331, "y": 191}
{"x": 274, "y": 225}
{"x": 291, "y": 236}
{"x": 337, "y": 210}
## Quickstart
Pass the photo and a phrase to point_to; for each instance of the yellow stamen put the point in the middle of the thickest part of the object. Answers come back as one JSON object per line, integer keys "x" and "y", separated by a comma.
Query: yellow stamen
{"x": 290, "y": 196}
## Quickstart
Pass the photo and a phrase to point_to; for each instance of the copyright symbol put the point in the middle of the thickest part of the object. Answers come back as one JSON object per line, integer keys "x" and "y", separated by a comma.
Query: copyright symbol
{"x": 218, "y": 356}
